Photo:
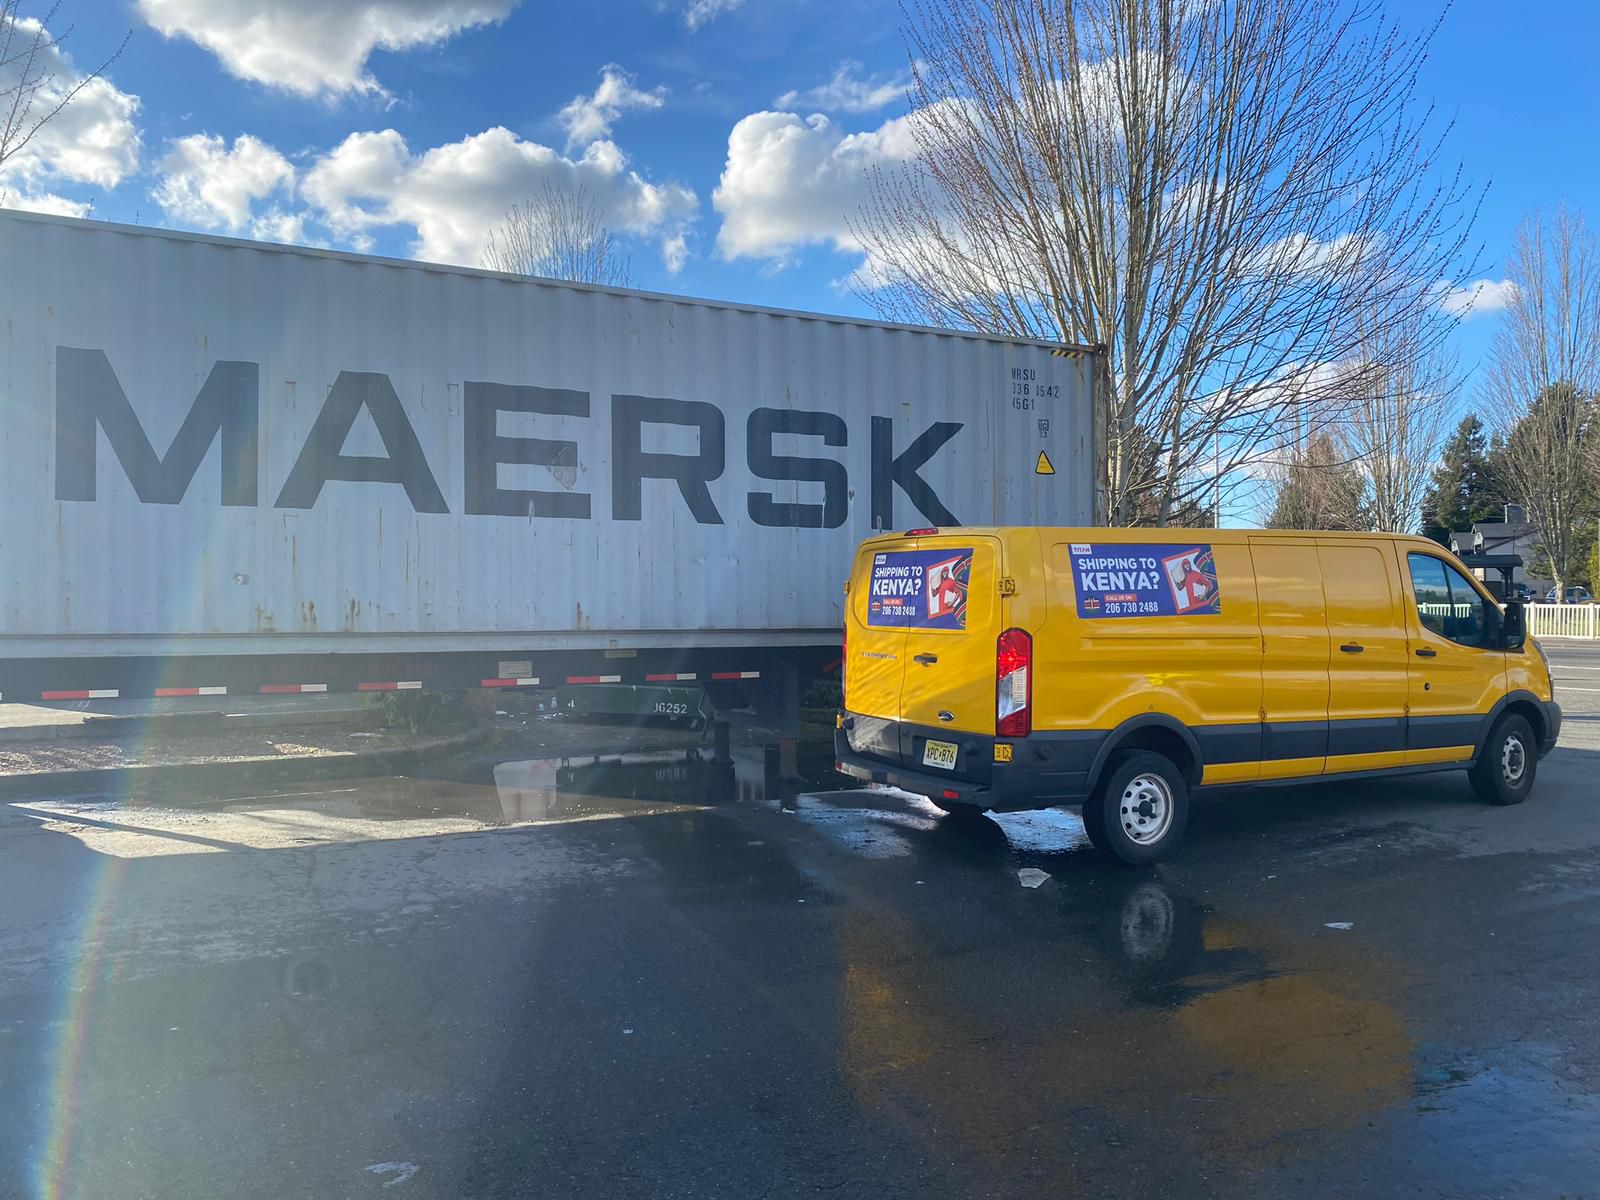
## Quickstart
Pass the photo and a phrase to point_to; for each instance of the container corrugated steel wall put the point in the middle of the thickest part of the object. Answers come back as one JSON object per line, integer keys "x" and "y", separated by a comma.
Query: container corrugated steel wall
{"x": 115, "y": 573}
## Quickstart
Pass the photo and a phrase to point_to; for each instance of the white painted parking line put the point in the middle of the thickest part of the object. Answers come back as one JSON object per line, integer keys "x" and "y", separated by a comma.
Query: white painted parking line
{"x": 1561, "y": 687}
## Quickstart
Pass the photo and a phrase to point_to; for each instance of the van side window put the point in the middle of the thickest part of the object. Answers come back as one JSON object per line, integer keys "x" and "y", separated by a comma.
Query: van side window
{"x": 1446, "y": 603}
{"x": 1466, "y": 610}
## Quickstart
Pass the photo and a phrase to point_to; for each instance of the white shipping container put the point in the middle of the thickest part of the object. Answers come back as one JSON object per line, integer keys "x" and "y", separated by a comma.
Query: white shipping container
{"x": 215, "y": 446}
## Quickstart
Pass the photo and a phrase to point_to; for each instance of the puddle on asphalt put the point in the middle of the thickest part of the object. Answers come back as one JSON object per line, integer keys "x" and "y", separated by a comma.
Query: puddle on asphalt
{"x": 465, "y": 798}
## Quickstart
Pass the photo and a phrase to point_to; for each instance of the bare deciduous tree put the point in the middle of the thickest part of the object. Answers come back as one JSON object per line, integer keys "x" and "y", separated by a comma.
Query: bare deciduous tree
{"x": 1209, "y": 190}
{"x": 31, "y": 95}
{"x": 1541, "y": 384}
{"x": 1395, "y": 424}
{"x": 558, "y": 234}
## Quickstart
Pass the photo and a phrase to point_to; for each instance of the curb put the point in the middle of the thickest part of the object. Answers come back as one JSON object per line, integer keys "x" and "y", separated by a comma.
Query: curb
{"x": 138, "y": 780}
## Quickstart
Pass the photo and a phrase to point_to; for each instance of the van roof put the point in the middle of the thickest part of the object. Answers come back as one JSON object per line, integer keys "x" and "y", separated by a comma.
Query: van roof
{"x": 1144, "y": 533}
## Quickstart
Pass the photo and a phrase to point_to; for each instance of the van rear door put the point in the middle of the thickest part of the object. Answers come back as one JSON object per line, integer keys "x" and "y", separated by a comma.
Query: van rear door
{"x": 949, "y": 661}
{"x": 874, "y": 659}
{"x": 924, "y": 614}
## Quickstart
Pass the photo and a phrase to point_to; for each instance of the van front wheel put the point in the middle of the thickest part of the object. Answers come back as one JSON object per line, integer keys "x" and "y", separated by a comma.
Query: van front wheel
{"x": 1140, "y": 808}
{"x": 1505, "y": 769}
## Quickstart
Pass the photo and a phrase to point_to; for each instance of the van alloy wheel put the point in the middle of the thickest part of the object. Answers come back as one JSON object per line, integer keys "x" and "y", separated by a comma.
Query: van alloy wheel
{"x": 1139, "y": 808}
{"x": 1508, "y": 762}
{"x": 1513, "y": 759}
{"x": 1145, "y": 809}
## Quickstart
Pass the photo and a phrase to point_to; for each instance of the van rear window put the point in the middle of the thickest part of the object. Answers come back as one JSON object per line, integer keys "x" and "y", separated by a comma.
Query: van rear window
{"x": 926, "y": 589}
{"x": 1144, "y": 580}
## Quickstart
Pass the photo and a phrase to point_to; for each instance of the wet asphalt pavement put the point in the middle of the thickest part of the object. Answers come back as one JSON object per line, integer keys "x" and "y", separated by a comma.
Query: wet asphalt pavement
{"x": 655, "y": 979}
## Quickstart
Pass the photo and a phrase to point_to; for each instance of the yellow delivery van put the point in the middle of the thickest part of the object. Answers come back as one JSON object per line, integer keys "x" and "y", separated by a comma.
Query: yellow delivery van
{"x": 1121, "y": 669}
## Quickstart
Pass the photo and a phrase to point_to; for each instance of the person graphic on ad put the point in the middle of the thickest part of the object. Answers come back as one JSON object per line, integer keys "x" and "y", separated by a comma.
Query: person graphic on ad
{"x": 947, "y": 594}
{"x": 1193, "y": 581}
{"x": 1195, "y": 586}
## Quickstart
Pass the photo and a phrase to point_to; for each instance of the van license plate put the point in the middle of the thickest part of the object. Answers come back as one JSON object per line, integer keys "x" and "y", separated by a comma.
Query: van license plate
{"x": 939, "y": 754}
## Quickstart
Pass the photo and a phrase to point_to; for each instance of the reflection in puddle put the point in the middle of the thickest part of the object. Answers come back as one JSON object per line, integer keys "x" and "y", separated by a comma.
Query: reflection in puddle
{"x": 1133, "y": 1018}
{"x": 566, "y": 789}
{"x": 885, "y": 822}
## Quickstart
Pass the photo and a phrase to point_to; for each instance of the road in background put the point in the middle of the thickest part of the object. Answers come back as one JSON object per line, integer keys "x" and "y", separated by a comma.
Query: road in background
{"x": 654, "y": 977}
{"x": 1575, "y": 670}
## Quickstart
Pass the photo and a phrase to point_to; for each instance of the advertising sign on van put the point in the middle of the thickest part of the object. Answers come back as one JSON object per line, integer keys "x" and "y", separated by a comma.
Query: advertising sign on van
{"x": 1144, "y": 580}
{"x": 925, "y": 589}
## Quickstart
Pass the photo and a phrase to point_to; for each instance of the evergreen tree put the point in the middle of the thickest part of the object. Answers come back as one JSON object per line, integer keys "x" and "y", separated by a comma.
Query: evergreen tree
{"x": 1321, "y": 489}
{"x": 1464, "y": 489}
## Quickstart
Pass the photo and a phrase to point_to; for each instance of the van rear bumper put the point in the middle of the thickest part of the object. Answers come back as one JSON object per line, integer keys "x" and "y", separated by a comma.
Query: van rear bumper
{"x": 1033, "y": 779}
{"x": 922, "y": 783}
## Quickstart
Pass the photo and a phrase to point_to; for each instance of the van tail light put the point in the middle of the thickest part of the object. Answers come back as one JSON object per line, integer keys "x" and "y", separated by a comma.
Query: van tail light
{"x": 844, "y": 661}
{"x": 1013, "y": 684}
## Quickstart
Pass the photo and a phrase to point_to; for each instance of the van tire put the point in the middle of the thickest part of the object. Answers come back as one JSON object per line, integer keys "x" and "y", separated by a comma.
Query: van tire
{"x": 1153, "y": 786}
{"x": 1508, "y": 762}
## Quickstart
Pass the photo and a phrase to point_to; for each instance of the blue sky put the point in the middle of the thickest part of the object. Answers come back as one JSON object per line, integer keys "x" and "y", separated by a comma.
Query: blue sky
{"x": 657, "y": 106}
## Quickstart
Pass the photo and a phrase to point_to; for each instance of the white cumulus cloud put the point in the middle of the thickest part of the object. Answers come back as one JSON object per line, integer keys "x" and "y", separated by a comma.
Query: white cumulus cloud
{"x": 205, "y": 183}
{"x": 589, "y": 118}
{"x": 849, "y": 91}
{"x": 790, "y": 182}
{"x": 93, "y": 140}
{"x": 315, "y": 47}
{"x": 44, "y": 202}
{"x": 697, "y": 12}
{"x": 1479, "y": 296}
{"x": 276, "y": 225}
{"x": 454, "y": 195}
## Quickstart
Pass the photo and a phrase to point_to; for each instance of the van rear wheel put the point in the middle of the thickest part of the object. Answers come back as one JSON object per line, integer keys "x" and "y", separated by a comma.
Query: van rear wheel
{"x": 1505, "y": 769}
{"x": 1140, "y": 809}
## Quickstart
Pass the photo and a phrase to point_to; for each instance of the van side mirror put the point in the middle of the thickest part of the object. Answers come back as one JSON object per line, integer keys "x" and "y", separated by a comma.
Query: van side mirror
{"x": 1514, "y": 626}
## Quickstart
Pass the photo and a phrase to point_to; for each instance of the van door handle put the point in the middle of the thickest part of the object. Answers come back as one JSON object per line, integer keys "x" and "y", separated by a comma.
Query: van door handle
{"x": 1352, "y": 648}
{"x": 1424, "y": 652}
{"x": 927, "y": 660}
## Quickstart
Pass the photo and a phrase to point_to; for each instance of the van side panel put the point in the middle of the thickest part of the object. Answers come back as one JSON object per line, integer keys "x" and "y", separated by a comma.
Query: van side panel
{"x": 1369, "y": 659}
{"x": 1294, "y": 664}
{"x": 1203, "y": 670}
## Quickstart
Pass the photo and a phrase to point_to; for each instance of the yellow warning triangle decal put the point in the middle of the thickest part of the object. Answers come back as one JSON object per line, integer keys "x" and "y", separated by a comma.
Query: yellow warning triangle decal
{"x": 1044, "y": 466}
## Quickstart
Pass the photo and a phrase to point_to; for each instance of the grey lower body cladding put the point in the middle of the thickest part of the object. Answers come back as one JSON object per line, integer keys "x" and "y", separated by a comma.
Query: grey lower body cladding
{"x": 1055, "y": 767}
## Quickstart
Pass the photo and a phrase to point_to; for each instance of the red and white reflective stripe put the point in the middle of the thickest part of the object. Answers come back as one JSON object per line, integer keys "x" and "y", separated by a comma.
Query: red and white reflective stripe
{"x": 192, "y": 691}
{"x": 83, "y": 694}
{"x": 282, "y": 689}
{"x": 511, "y": 682}
{"x": 594, "y": 678}
{"x": 411, "y": 685}
{"x": 736, "y": 674}
{"x": 679, "y": 677}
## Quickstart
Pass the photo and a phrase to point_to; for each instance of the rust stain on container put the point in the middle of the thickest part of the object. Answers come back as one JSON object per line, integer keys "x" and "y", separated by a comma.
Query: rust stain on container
{"x": 264, "y": 620}
{"x": 308, "y": 615}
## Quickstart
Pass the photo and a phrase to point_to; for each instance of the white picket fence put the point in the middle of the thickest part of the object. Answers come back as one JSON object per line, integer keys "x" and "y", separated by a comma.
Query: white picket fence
{"x": 1564, "y": 620}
